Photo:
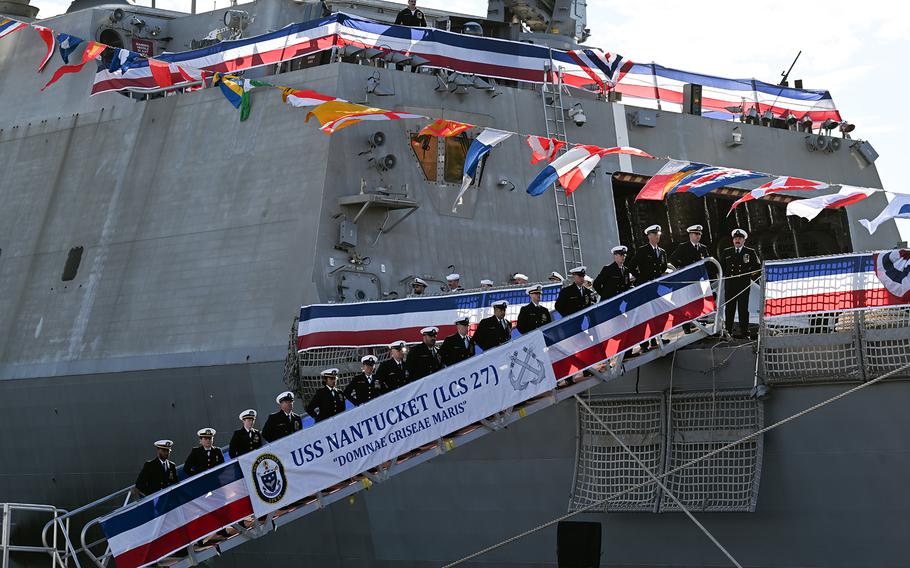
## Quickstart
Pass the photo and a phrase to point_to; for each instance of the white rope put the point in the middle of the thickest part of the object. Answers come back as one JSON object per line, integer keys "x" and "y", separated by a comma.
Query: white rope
{"x": 651, "y": 474}
{"x": 683, "y": 466}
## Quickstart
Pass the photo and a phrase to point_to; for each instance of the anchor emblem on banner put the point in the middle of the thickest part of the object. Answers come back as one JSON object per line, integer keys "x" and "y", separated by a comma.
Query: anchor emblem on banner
{"x": 525, "y": 369}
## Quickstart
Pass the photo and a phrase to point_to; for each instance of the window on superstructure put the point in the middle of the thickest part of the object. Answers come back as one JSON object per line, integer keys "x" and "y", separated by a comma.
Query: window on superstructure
{"x": 426, "y": 150}
{"x": 456, "y": 149}
{"x": 73, "y": 259}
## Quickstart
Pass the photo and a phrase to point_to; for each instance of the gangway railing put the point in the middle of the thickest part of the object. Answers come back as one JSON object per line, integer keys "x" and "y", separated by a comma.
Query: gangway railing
{"x": 59, "y": 558}
{"x": 245, "y": 530}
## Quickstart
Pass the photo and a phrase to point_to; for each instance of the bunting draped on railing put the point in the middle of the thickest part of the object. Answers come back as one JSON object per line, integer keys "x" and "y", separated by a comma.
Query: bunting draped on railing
{"x": 648, "y": 85}
{"x": 492, "y": 58}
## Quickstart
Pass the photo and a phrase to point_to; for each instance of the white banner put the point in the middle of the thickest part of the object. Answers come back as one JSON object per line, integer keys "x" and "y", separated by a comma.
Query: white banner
{"x": 339, "y": 448}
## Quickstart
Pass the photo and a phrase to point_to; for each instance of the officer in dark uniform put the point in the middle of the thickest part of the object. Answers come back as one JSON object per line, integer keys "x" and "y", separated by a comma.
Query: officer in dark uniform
{"x": 692, "y": 251}
{"x": 741, "y": 266}
{"x": 159, "y": 472}
{"x": 494, "y": 330}
{"x": 247, "y": 438}
{"x": 411, "y": 16}
{"x": 365, "y": 386}
{"x": 423, "y": 359}
{"x": 648, "y": 263}
{"x": 392, "y": 372}
{"x": 574, "y": 297}
{"x": 532, "y": 314}
{"x": 205, "y": 455}
{"x": 328, "y": 400}
{"x": 689, "y": 253}
{"x": 614, "y": 278}
{"x": 283, "y": 422}
{"x": 458, "y": 346}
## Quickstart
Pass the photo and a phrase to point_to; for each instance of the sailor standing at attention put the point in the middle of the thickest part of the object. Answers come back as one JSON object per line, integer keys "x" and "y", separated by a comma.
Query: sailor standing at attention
{"x": 411, "y": 16}
{"x": 283, "y": 422}
{"x": 365, "y": 386}
{"x": 453, "y": 283}
{"x": 574, "y": 297}
{"x": 690, "y": 253}
{"x": 328, "y": 400}
{"x": 159, "y": 472}
{"x": 741, "y": 266}
{"x": 392, "y": 372}
{"x": 423, "y": 359}
{"x": 649, "y": 263}
{"x": 247, "y": 438}
{"x": 494, "y": 330}
{"x": 458, "y": 346}
{"x": 205, "y": 455}
{"x": 615, "y": 278}
{"x": 532, "y": 314}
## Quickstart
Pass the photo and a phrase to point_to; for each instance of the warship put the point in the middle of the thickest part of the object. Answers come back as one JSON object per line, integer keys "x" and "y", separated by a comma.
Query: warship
{"x": 154, "y": 252}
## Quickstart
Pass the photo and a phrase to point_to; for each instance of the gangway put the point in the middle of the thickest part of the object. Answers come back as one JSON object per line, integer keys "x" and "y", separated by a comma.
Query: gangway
{"x": 93, "y": 545}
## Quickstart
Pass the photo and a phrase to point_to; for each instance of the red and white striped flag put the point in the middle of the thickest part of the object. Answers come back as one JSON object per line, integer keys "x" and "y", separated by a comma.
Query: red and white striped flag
{"x": 810, "y": 208}
{"x": 543, "y": 148}
{"x": 783, "y": 183}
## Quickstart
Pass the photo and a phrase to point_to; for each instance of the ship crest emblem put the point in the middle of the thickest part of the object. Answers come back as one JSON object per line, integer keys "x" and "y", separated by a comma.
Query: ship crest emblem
{"x": 525, "y": 369}
{"x": 893, "y": 269}
{"x": 269, "y": 478}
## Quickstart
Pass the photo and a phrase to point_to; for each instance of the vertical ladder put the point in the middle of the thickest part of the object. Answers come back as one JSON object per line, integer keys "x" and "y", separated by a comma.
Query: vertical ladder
{"x": 555, "y": 120}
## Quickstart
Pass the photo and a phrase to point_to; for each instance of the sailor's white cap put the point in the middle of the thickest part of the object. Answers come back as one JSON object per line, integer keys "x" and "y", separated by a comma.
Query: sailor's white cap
{"x": 206, "y": 433}
{"x": 164, "y": 444}
{"x": 430, "y": 331}
{"x": 286, "y": 395}
{"x": 333, "y": 372}
{"x": 621, "y": 249}
{"x": 535, "y": 290}
{"x": 463, "y": 321}
{"x": 486, "y": 282}
{"x": 588, "y": 279}
{"x": 652, "y": 229}
{"x": 368, "y": 360}
{"x": 579, "y": 270}
{"x": 400, "y": 344}
{"x": 418, "y": 282}
{"x": 695, "y": 229}
{"x": 555, "y": 276}
{"x": 520, "y": 276}
{"x": 500, "y": 304}
{"x": 248, "y": 413}
{"x": 453, "y": 276}
{"x": 739, "y": 233}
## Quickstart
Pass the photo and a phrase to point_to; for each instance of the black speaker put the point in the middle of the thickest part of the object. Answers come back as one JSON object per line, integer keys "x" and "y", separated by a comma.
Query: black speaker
{"x": 692, "y": 99}
{"x": 577, "y": 544}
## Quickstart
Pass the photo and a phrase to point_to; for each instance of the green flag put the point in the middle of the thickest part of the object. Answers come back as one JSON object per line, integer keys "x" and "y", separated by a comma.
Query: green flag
{"x": 249, "y": 85}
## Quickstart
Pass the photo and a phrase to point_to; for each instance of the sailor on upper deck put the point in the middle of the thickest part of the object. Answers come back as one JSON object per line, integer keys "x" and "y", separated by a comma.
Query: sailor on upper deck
{"x": 411, "y": 16}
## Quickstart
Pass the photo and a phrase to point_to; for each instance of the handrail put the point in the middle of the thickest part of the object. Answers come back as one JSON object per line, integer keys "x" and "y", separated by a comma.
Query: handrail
{"x": 6, "y": 547}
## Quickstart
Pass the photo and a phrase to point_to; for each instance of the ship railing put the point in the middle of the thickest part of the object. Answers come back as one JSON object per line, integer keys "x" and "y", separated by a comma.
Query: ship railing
{"x": 825, "y": 347}
{"x": 302, "y": 367}
{"x": 50, "y": 546}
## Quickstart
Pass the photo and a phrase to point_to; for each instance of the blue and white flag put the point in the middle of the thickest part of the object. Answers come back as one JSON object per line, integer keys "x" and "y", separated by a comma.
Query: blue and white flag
{"x": 123, "y": 59}
{"x": 68, "y": 45}
{"x": 480, "y": 147}
{"x": 899, "y": 208}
